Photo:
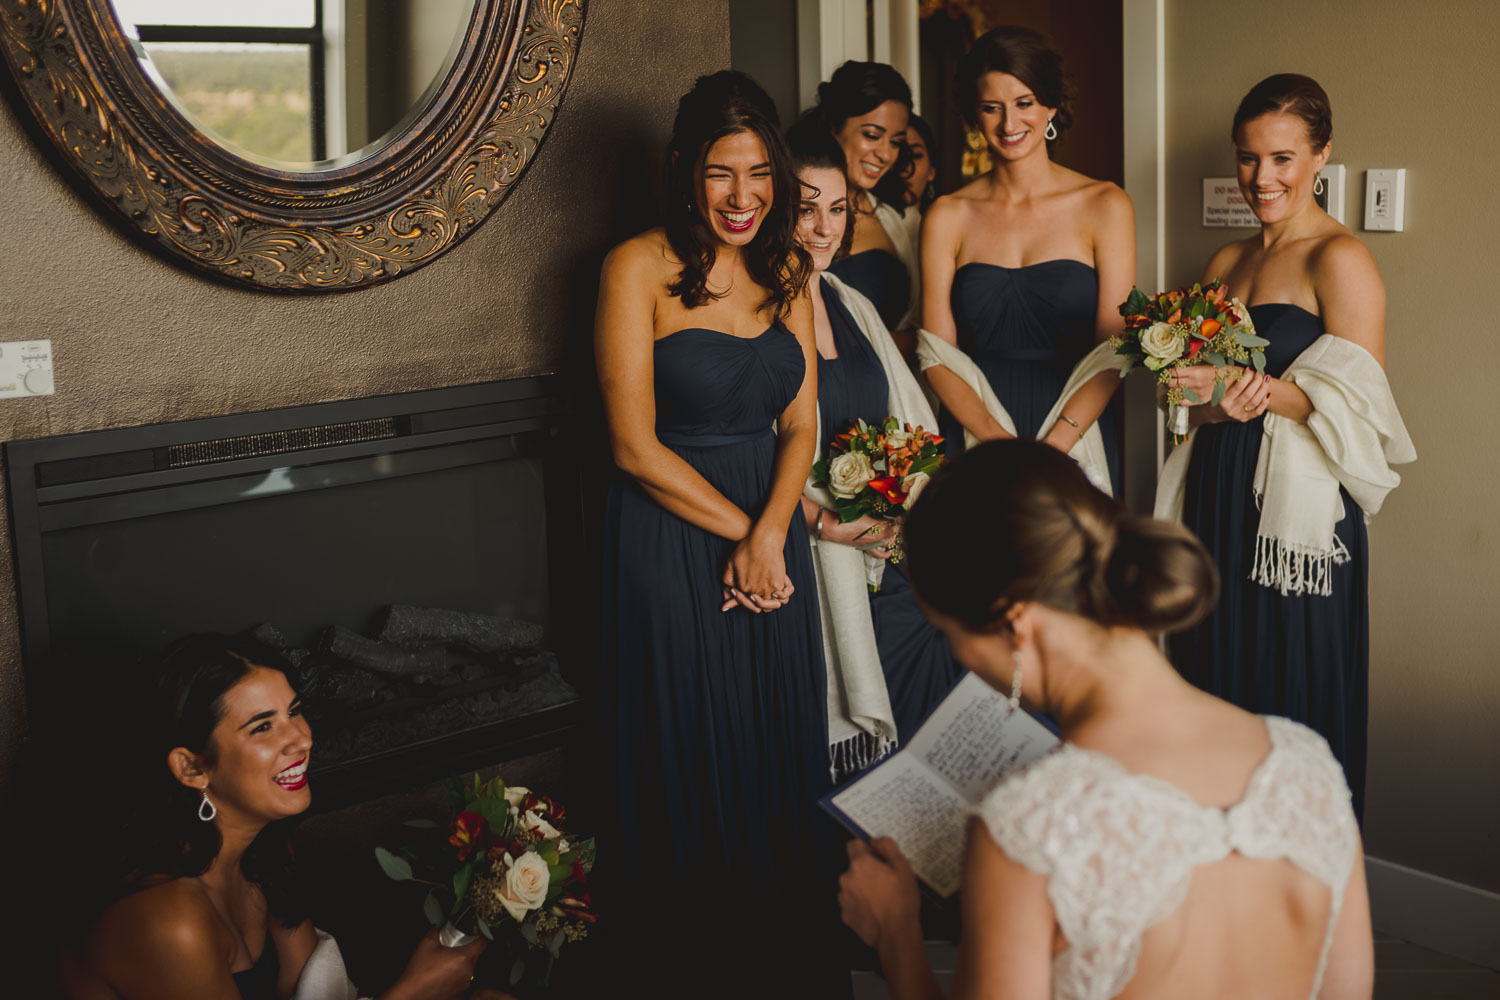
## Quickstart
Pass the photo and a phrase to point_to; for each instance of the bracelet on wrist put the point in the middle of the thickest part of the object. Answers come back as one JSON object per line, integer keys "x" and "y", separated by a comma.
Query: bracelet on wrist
{"x": 819, "y": 523}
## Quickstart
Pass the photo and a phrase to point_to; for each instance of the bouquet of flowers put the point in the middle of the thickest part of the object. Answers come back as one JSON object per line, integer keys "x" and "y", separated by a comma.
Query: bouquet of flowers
{"x": 505, "y": 870}
{"x": 1201, "y": 325}
{"x": 879, "y": 471}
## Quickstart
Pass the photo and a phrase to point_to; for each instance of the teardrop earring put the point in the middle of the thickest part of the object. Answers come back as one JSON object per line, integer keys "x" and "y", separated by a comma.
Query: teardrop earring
{"x": 206, "y": 809}
{"x": 1051, "y": 132}
{"x": 1318, "y": 185}
{"x": 1014, "y": 701}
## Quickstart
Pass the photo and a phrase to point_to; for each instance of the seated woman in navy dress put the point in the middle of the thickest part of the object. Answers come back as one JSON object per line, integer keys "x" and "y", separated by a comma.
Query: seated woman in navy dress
{"x": 887, "y": 666}
{"x": 1023, "y": 269}
{"x": 715, "y": 746}
{"x": 865, "y": 106}
{"x": 1290, "y": 633}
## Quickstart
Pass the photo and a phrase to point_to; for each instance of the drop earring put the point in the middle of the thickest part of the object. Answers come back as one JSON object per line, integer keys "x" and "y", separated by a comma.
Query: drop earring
{"x": 206, "y": 809}
{"x": 1318, "y": 185}
{"x": 1014, "y": 701}
{"x": 1051, "y": 132}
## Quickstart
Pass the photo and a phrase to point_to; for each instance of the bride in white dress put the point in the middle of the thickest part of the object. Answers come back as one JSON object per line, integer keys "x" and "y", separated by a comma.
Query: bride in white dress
{"x": 1174, "y": 845}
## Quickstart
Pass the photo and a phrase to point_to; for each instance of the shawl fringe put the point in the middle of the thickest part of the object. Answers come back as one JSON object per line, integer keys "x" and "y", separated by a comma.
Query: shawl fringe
{"x": 1292, "y": 569}
{"x": 848, "y": 757}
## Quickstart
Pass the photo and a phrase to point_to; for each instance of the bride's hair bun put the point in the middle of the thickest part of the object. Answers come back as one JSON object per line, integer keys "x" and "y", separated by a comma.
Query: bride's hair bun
{"x": 1018, "y": 520}
{"x": 1157, "y": 577}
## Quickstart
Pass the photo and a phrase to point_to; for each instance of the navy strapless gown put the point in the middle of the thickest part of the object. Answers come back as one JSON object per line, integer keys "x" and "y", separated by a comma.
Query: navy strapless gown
{"x": 1305, "y": 657}
{"x": 716, "y": 860}
{"x": 1026, "y": 328}
{"x": 879, "y": 276}
{"x": 919, "y": 667}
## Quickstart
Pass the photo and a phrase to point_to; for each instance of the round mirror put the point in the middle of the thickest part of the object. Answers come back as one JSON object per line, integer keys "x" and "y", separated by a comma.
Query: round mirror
{"x": 294, "y": 145}
{"x": 297, "y": 84}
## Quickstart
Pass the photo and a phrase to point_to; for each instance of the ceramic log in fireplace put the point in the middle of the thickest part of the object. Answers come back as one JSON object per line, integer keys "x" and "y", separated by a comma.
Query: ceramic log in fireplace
{"x": 405, "y": 551}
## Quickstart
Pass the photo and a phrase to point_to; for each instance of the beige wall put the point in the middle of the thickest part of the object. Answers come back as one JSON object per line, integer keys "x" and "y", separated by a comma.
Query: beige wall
{"x": 137, "y": 340}
{"x": 1414, "y": 86}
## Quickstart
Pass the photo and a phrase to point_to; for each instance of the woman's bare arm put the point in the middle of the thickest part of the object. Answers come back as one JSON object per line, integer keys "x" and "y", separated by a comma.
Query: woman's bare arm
{"x": 1113, "y": 218}
{"x": 1008, "y": 924}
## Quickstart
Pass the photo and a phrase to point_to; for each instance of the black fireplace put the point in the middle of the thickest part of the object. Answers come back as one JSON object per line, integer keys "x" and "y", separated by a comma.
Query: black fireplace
{"x": 411, "y": 554}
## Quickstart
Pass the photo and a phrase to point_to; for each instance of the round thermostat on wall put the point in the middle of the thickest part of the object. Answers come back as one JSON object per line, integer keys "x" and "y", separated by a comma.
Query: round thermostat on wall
{"x": 38, "y": 381}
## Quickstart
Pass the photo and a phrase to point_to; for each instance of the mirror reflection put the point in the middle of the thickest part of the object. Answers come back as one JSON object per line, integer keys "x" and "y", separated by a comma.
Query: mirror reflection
{"x": 297, "y": 84}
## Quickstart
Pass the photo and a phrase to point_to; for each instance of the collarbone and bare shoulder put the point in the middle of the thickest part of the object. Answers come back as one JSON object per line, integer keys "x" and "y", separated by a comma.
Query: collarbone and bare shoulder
{"x": 175, "y": 916}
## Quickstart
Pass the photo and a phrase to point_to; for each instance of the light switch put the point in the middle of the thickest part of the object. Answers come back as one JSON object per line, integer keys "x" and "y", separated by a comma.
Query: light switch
{"x": 26, "y": 368}
{"x": 1385, "y": 200}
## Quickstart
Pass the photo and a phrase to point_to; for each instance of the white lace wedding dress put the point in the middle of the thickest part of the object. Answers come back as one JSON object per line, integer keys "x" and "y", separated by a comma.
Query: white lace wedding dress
{"x": 1119, "y": 848}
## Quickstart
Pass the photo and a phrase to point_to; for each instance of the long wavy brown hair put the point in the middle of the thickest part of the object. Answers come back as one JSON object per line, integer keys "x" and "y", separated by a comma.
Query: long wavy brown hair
{"x": 719, "y": 105}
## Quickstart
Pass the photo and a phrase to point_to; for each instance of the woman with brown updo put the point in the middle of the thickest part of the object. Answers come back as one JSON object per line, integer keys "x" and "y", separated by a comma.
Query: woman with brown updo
{"x": 1280, "y": 477}
{"x": 1023, "y": 269}
{"x": 1173, "y": 845}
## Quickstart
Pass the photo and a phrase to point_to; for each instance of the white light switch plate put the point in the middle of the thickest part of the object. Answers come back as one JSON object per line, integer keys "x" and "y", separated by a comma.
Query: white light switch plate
{"x": 25, "y": 368}
{"x": 1385, "y": 200}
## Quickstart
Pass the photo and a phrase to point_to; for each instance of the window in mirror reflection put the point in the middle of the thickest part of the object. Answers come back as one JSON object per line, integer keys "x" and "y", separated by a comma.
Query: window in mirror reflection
{"x": 252, "y": 74}
{"x": 297, "y": 83}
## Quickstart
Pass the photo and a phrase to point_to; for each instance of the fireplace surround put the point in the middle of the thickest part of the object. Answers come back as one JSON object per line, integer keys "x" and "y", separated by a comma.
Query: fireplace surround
{"x": 408, "y": 552}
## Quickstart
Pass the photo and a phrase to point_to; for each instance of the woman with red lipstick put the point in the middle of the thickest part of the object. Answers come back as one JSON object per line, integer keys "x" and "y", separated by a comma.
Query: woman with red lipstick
{"x": 1290, "y": 634}
{"x": 209, "y": 909}
{"x": 865, "y": 106}
{"x": 1023, "y": 269}
{"x": 713, "y": 692}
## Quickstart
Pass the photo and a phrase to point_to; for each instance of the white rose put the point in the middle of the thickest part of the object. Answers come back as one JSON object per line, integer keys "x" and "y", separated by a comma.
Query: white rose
{"x": 914, "y": 484}
{"x": 897, "y": 439}
{"x": 531, "y": 821}
{"x": 525, "y": 887}
{"x": 1163, "y": 344}
{"x": 515, "y": 795}
{"x": 848, "y": 473}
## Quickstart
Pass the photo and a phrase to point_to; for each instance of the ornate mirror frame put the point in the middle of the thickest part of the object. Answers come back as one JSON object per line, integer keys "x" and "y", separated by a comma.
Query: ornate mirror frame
{"x": 346, "y": 227}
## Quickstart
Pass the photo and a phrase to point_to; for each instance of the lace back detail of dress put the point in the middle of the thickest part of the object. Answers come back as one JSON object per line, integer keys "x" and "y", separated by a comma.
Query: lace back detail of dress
{"x": 1119, "y": 849}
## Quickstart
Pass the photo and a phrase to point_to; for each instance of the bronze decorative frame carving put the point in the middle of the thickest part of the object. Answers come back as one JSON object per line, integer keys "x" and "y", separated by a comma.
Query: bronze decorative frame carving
{"x": 346, "y": 227}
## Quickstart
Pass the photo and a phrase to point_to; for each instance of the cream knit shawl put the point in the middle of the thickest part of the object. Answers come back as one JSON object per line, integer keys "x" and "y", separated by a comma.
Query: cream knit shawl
{"x": 1352, "y": 438}
{"x": 1088, "y": 452}
{"x": 896, "y": 227}
{"x": 861, "y": 725}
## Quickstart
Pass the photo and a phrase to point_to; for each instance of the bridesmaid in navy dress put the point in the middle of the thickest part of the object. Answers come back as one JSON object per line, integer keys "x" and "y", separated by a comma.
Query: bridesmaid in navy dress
{"x": 1023, "y": 269}
{"x": 865, "y": 106}
{"x": 855, "y": 384}
{"x": 1303, "y": 656}
{"x": 716, "y": 857}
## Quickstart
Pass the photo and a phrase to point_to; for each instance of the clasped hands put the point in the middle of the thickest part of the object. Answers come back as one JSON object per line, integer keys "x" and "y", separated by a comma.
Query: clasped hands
{"x": 1247, "y": 393}
{"x": 755, "y": 577}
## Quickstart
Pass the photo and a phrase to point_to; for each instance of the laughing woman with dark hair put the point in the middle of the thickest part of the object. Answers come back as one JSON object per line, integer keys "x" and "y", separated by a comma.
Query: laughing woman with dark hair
{"x": 713, "y": 687}
{"x": 206, "y": 908}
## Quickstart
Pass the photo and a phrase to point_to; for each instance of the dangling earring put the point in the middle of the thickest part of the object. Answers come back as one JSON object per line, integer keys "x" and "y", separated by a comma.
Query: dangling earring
{"x": 1051, "y": 132}
{"x": 1014, "y": 701}
{"x": 1318, "y": 185}
{"x": 206, "y": 809}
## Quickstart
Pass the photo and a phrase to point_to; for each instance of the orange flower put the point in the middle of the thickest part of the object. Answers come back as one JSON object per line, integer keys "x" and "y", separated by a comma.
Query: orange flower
{"x": 888, "y": 487}
{"x": 467, "y": 829}
{"x": 1175, "y": 317}
{"x": 1210, "y": 327}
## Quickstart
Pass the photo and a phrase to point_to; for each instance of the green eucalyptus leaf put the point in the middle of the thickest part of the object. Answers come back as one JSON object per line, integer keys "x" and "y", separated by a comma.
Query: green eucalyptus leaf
{"x": 555, "y": 945}
{"x": 461, "y": 880}
{"x": 517, "y": 971}
{"x": 1215, "y": 358}
{"x": 394, "y": 867}
{"x": 528, "y": 931}
{"x": 1250, "y": 339}
{"x": 1191, "y": 396}
{"x": 484, "y": 927}
{"x": 433, "y": 910}
{"x": 1258, "y": 359}
{"x": 1219, "y": 388}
